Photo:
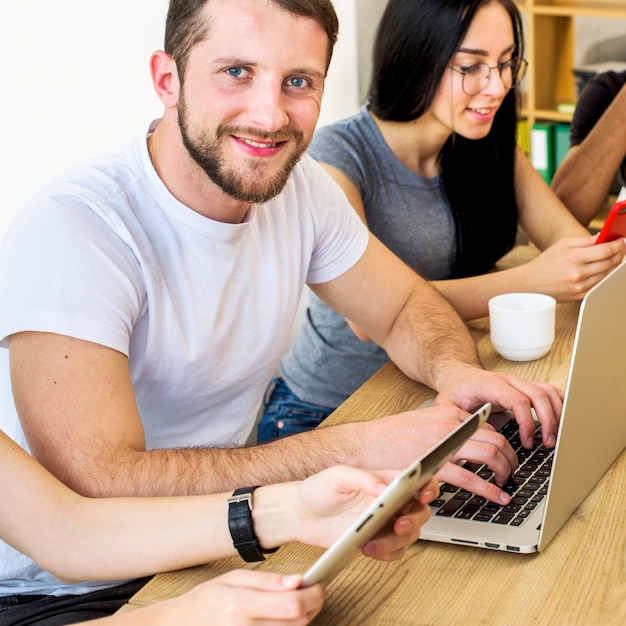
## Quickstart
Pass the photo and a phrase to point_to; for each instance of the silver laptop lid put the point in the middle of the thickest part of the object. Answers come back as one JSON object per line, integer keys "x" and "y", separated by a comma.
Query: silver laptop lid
{"x": 595, "y": 402}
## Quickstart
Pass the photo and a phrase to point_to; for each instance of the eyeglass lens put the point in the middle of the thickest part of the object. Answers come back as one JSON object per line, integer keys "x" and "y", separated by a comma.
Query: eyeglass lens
{"x": 476, "y": 78}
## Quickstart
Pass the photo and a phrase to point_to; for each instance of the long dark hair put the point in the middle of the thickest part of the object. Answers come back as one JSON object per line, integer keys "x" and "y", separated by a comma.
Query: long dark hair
{"x": 414, "y": 44}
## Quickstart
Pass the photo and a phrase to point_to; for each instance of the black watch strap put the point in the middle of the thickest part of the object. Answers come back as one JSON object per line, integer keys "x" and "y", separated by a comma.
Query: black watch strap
{"x": 241, "y": 526}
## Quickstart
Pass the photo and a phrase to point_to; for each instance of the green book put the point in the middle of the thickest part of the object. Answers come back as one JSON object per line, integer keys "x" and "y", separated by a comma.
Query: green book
{"x": 561, "y": 143}
{"x": 542, "y": 149}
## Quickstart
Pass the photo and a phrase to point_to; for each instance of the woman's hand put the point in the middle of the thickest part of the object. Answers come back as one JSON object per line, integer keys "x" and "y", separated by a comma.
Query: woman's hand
{"x": 569, "y": 268}
{"x": 237, "y": 598}
{"x": 328, "y": 502}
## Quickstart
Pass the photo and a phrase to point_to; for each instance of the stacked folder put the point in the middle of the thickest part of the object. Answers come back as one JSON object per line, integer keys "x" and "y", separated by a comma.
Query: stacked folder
{"x": 549, "y": 143}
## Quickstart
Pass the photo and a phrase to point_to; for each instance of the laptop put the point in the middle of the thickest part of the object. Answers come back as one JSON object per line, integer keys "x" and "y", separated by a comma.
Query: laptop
{"x": 592, "y": 434}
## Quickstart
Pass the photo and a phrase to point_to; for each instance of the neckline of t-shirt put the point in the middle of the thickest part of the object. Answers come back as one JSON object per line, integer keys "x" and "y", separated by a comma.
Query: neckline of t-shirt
{"x": 427, "y": 182}
{"x": 179, "y": 211}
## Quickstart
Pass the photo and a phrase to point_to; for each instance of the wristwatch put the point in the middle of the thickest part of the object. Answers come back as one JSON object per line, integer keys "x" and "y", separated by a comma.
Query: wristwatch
{"x": 241, "y": 526}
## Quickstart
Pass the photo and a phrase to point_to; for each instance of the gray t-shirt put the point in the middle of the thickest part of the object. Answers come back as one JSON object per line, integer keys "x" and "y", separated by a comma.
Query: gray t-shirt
{"x": 409, "y": 214}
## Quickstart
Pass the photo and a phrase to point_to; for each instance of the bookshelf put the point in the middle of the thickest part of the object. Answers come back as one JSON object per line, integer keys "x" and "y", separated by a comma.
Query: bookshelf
{"x": 550, "y": 48}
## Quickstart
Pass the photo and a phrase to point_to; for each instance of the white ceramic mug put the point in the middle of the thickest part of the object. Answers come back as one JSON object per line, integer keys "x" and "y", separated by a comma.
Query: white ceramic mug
{"x": 522, "y": 325}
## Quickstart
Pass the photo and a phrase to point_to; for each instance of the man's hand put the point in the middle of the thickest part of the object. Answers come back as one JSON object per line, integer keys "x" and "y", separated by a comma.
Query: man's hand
{"x": 397, "y": 440}
{"x": 469, "y": 387}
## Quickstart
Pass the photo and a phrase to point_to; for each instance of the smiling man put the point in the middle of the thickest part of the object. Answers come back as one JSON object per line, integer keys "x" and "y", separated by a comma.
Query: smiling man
{"x": 243, "y": 112}
{"x": 157, "y": 288}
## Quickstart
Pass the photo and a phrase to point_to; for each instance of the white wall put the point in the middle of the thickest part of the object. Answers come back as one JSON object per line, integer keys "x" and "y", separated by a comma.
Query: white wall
{"x": 599, "y": 39}
{"x": 76, "y": 84}
{"x": 341, "y": 91}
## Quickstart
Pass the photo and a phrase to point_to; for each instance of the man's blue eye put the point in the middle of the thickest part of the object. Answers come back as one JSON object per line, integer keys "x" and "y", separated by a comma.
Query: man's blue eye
{"x": 297, "y": 81}
{"x": 234, "y": 71}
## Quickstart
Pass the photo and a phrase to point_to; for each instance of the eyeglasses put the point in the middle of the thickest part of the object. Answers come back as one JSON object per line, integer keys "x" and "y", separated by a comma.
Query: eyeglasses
{"x": 476, "y": 76}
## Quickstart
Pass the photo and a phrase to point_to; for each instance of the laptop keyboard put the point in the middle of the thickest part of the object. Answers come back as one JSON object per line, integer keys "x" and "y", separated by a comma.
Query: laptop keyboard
{"x": 527, "y": 486}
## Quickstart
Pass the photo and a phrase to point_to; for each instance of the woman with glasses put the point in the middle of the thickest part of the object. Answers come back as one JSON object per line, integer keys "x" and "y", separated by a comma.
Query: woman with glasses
{"x": 431, "y": 164}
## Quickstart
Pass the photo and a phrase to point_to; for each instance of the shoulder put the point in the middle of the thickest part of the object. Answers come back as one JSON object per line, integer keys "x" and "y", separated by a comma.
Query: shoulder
{"x": 96, "y": 182}
{"x": 316, "y": 199}
{"x": 348, "y": 139}
{"x": 354, "y": 146}
{"x": 595, "y": 98}
{"x": 315, "y": 215}
{"x": 609, "y": 81}
{"x": 599, "y": 92}
{"x": 311, "y": 189}
{"x": 84, "y": 209}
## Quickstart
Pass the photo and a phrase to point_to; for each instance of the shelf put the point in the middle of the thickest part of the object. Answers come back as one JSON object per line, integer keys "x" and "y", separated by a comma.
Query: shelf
{"x": 547, "y": 114}
{"x": 550, "y": 49}
{"x": 604, "y": 8}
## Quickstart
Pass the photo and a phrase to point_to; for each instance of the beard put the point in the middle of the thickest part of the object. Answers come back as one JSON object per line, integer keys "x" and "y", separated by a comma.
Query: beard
{"x": 254, "y": 185}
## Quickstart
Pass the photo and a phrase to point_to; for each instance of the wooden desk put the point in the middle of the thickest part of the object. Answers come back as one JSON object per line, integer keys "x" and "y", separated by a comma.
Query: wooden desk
{"x": 579, "y": 579}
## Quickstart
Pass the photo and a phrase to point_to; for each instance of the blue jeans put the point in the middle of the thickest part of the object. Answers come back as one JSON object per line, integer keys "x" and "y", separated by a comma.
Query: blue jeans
{"x": 285, "y": 414}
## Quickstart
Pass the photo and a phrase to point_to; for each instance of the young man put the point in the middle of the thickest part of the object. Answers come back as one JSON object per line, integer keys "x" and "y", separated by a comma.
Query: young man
{"x": 598, "y": 150}
{"x": 147, "y": 297}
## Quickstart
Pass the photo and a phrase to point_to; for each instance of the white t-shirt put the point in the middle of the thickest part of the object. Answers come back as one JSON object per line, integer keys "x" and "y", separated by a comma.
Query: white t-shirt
{"x": 203, "y": 309}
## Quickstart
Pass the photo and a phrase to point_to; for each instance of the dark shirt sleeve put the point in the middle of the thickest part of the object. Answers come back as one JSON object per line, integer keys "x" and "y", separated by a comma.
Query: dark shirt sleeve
{"x": 593, "y": 102}
{"x": 595, "y": 98}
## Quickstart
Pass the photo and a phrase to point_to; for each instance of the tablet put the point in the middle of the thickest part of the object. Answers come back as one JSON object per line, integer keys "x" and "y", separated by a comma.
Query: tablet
{"x": 399, "y": 491}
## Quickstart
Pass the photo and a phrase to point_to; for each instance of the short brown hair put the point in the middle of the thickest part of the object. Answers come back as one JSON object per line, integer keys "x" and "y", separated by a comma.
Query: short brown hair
{"x": 185, "y": 26}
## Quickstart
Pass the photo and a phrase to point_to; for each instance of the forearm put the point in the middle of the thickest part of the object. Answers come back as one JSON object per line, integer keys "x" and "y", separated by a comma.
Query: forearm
{"x": 428, "y": 337}
{"x": 583, "y": 180}
{"x": 114, "y": 538}
{"x": 120, "y": 471}
{"x": 80, "y": 538}
{"x": 470, "y": 296}
{"x": 541, "y": 215}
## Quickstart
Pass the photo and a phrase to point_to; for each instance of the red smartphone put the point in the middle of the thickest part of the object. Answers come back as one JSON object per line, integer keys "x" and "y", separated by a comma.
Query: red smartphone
{"x": 615, "y": 224}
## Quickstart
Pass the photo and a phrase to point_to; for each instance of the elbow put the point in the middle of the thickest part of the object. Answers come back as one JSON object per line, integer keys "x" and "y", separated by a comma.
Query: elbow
{"x": 78, "y": 563}
{"x": 73, "y": 575}
{"x": 556, "y": 186}
{"x": 65, "y": 575}
{"x": 88, "y": 486}
{"x": 56, "y": 560}
{"x": 359, "y": 334}
{"x": 97, "y": 480}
